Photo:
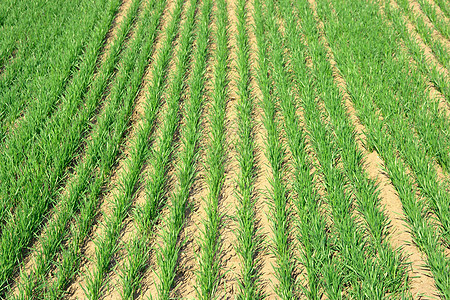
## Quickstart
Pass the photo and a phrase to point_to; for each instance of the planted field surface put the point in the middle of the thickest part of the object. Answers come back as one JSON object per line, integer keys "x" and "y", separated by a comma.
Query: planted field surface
{"x": 225, "y": 149}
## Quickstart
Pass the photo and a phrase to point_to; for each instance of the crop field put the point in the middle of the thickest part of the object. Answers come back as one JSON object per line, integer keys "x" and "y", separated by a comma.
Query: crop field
{"x": 225, "y": 149}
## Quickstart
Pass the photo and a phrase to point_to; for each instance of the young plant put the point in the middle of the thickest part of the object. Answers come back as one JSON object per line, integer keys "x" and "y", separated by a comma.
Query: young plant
{"x": 138, "y": 249}
{"x": 275, "y": 153}
{"x": 365, "y": 75}
{"x": 51, "y": 241}
{"x": 209, "y": 242}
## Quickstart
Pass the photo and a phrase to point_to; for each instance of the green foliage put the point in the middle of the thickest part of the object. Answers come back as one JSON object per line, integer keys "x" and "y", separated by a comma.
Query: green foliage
{"x": 138, "y": 248}
{"x": 372, "y": 84}
{"x": 437, "y": 21}
{"x": 209, "y": 242}
{"x": 167, "y": 254}
{"x": 103, "y": 147}
{"x": 59, "y": 144}
{"x": 249, "y": 241}
{"x": 275, "y": 153}
{"x": 51, "y": 241}
{"x": 34, "y": 69}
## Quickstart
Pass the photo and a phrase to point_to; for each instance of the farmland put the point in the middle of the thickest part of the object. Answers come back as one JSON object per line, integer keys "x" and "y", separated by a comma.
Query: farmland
{"x": 225, "y": 149}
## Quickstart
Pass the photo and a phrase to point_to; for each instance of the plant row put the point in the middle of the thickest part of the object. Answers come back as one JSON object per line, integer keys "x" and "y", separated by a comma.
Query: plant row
{"x": 355, "y": 252}
{"x": 313, "y": 236}
{"x": 275, "y": 153}
{"x": 209, "y": 241}
{"x": 248, "y": 240}
{"x": 444, "y": 6}
{"x": 103, "y": 147}
{"x": 25, "y": 146}
{"x": 439, "y": 49}
{"x": 43, "y": 58}
{"x": 412, "y": 88}
{"x": 369, "y": 90}
{"x": 167, "y": 253}
{"x": 69, "y": 204}
{"x": 145, "y": 216}
{"x": 439, "y": 22}
{"x": 423, "y": 168}
{"x": 367, "y": 202}
{"x": 428, "y": 68}
{"x": 39, "y": 179}
{"x": 106, "y": 244}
